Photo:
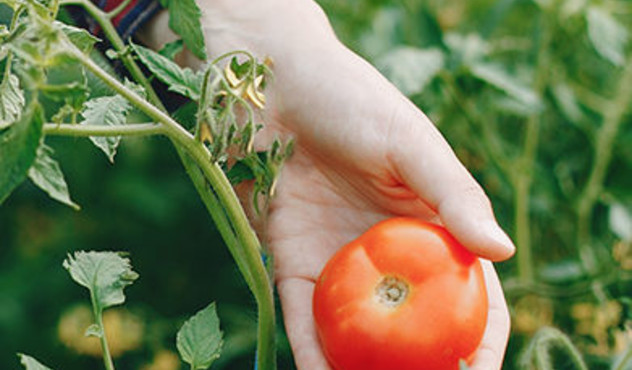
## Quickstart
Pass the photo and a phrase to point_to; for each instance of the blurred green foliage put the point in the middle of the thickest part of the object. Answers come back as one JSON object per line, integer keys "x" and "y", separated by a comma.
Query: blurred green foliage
{"x": 532, "y": 95}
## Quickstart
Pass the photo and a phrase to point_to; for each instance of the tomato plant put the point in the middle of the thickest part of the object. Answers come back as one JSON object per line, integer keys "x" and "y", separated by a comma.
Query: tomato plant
{"x": 404, "y": 295}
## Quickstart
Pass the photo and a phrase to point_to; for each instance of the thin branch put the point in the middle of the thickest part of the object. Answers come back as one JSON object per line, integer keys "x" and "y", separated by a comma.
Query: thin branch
{"x": 136, "y": 129}
{"x": 116, "y": 11}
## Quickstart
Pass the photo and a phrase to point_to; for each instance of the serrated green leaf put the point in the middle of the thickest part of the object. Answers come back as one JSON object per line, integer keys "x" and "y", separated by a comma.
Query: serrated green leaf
{"x": 496, "y": 75}
{"x": 110, "y": 111}
{"x": 18, "y": 148}
{"x": 105, "y": 274}
{"x": 410, "y": 68}
{"x": 171, "y": 49}
{"x": 607, "y": 35}
{"x": 30, "y": 363}
{"x": 180, "y": 80}
{"x": 199, "y": 341}
{"x": 184, "y": 20}
{"x": 81, "y": 38}
{"x": 46, "y": 174}
{"x": 11, "y": 100}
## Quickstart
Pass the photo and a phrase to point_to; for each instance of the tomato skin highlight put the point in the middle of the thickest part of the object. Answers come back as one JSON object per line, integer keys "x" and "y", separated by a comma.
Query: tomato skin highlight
{"x": 404, "y": 295}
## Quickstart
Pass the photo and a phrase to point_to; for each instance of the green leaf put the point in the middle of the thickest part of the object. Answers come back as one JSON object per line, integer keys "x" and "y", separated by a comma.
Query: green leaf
{"x": 94, "y": 330}
{"x": 11, "y": 100}
{"x": 620, "y": 220}
{"x": 607, "y": 35}
{"x": 81, "y": 38}
{"x": 30, "y": 363}
{"x": 13, "y": 4}
{"x": 239, "y": 172}
{"x": 171, "y": 49}
{"x": 184, "y": 20}
{"x": 567, "y": 102}
{"x": 199, "y": 341}
{"x": 466, "y": 49}
{"x": 105, "y": 274}
{"x": 180, "y": 80}
{"x": 18, "y": 147}
{"x": 410, "y": 68}
{"x": 47, "y": 175}
{"x": 496, "y": 75}
{"x": 110, "y": 111}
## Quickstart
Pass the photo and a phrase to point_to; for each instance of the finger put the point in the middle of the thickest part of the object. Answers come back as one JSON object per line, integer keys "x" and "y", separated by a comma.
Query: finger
{"x": 296, "y": 300}
{"x": 426, "y": 163}
{"x": 489, "y": 355}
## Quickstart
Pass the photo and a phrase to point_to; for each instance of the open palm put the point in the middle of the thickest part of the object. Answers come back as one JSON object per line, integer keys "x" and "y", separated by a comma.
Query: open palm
{"x": 363, "y": 153}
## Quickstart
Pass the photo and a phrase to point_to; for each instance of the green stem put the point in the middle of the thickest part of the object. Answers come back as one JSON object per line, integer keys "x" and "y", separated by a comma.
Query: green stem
{"x": 604, "y": 145}
{"x": 98, "y": 317}
{"x": 117, "y": 43}
{"x": 522, "y": 174}
{"x": 116, "y": 11}
{"x": 262, "y": 289}
{"x": 490, "y": 145}
{"x": 622, "y": 364}
{"x": 537, "y": 354}
{"x": 247, "y": 252}
{"x": 137, "y": 129}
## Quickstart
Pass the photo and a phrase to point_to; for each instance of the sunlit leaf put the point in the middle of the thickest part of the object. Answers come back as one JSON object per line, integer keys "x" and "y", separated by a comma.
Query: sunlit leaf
{"x": 199, "y": 341}
{"x": 180, "y": 80}
{"x": 620, "y": 219}
{"x": 567, "y": 102}
{"x": 13, "y": 3}
{"x": 30, "y": 363}
{"x": 81, "y": 38}
{"x": 496, "y": 75}
{"x": 18, "y": 147}
{"x": 607, "y": 35}
{"x": 105, "y": 274}
{"x": 466, "y": 49}
{"x": 411, "y": 69}
{"x": 47, "y": 175}
{"x": 11, "y": 100}
{"x": 109, "y": 111}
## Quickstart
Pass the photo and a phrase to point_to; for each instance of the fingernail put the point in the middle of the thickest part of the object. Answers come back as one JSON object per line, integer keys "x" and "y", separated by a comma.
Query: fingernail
{"x": 494, "y": 232}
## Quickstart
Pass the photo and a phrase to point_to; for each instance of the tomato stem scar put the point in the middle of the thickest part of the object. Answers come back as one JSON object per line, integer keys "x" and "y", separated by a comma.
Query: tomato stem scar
{"x": 391, "y": 291}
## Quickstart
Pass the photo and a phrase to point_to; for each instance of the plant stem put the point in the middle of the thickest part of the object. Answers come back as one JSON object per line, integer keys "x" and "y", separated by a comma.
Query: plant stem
{"x": 117, "y": 43}
{"x": 490, "y": 146}
{"x": 98, "y": 317}
{"x": 624, "y": 360}
{"x": 604, "y": 145}
{"x": 522, "y": 174}
{"x": 247, "y": 252}
{"x": 261, "y": 287}
{"x": 137, "y": 129}
{"x": 116, "y": 11}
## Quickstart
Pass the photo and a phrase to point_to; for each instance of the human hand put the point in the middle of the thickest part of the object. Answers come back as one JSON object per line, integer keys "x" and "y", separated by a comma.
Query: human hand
{"x": 363, "y": 153}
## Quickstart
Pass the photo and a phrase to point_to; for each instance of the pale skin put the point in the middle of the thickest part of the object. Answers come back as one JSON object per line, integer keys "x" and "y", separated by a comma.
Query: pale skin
{"x": 363, "y": 153}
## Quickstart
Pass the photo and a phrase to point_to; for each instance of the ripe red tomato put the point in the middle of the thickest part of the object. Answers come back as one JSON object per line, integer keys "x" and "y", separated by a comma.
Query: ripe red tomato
{"x": 404, "y": 295}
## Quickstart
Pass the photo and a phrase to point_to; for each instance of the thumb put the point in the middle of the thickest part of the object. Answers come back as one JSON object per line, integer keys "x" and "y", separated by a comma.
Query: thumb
{"x": 427, "y": 164}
